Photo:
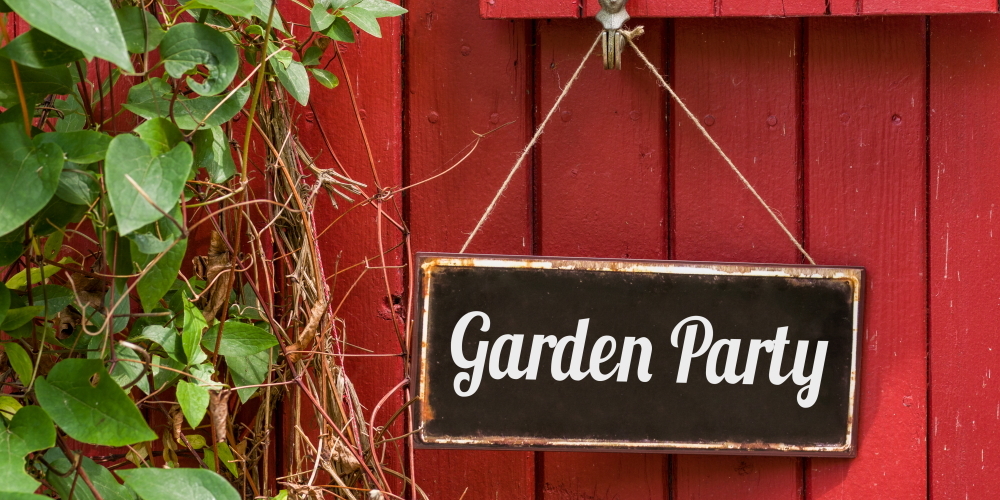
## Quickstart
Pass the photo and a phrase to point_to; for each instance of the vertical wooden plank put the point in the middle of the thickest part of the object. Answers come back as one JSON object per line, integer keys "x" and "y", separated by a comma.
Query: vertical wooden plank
{"x": 468, "y": 75}
{"x": 866, "y": 206}
{"x": 374, "y": 66}
{"x": 741, "y": 78}
{"x": 513, "y": 9}
{"x": 601, "y": 177}
{"x": 964, "y": 181}
{"x": 927, "y": 6}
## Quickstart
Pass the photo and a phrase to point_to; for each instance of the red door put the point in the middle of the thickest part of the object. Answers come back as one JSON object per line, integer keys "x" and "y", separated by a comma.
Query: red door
{"x": 874, "y": 139}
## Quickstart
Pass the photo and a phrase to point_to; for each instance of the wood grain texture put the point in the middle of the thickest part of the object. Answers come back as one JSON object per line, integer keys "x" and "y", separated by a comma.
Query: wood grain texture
{"x": 964, "y": 181}
{"x": 374, "y": 65}
{"x": 468, "y": 75}
{"x": 543, "y": 9}
{"x": 741, "y": 78}
{"x": 603, "y": 476}
{"x": 600, "y": 183}
{"x": 726, "y": 478}
{"x": 927, "y": 6}
{"x": 866, "y": 206}
{"x": 601, "y": 161}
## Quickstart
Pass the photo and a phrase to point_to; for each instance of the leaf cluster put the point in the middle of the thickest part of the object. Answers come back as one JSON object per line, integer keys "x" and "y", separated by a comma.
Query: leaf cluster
{"x": 101, "y": 326}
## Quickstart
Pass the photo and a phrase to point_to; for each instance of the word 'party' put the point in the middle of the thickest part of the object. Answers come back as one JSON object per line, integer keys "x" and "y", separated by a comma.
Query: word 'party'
{"x": 605, "y": 348}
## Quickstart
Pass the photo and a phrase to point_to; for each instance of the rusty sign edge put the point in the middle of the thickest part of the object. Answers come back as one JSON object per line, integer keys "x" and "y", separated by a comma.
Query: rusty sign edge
{"x": 427, "y": 261}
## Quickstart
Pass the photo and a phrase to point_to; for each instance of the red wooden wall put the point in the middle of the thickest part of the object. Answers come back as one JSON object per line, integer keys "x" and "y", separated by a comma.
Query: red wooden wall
{"x": 875, "y": 138}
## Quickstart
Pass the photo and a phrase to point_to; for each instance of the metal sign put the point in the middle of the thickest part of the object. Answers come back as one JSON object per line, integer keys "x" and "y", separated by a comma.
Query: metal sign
{"x": 686, "y": 357}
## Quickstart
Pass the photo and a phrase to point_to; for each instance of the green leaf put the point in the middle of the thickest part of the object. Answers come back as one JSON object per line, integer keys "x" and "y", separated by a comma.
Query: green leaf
{"x": 364, "y": 20}
{"x": 163, "y": 377}
{"x": 194, "y": 402}
{"x": 239, "y": 339}
{"x": 30, "y": 430}
{"x": 169, "y": 340}
{"x": 227, "y": 459}
{"x": 160, "y": 134}
{"x": 248, "y": 370}
{"x": 20, "y": 316}
{"x": 157, "y": 279}
{"x": 262, "y": 8}
{"x": 295, "y": 80}
{"x": 87, "y": 25}
{"x": 83, "y": 146}
{"x": 178, "y": 484}
{"x": 212, "y": 152}
{"x": 29, "y": 175}
{"x": 35, "y": 82}
{"x": 340, "y": 4}
{"x": 157, "y": 237}
{"x": 19, "y": 361}
{"x": 161, "y": 177}
{"x": 73, "y": 115}
{"x": 4, "y": 302}
{"x": 194, "y": 328}
{"x": 106, "y": 485}
{"x": 77, "y": 186}
{"x": 151, "y": 99}
{"x": 312, "y": 56}
{"x": 53, "y": 245}
{"x": 325, "y": 78}
{"x": 197, "y": 441}
{"x": 8, "y": 407}
{"x": 56, "y": 215}
{"x": 54, "y": 298}
{"x": 319, "y": 18}
{"x": 240, "y": 8}
{"x": 141, "y": 29}
{"x": 125, "y": 372}
{"x": 203, "y": 375}
{"x": 121, "y": 313}
{"x": 187, "y": 46}
{"x": 20, "y": 280}
{"x": 39, "y": 50}
{"x": 89, "y": 406}
{"x": 381, "y": 8}
{"x": 11, "y": 247}
{"x": 341, "y": 31}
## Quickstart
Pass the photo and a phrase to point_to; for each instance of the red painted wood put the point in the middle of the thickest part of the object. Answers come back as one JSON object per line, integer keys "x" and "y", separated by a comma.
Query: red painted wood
{"x": 865, "y": 206}
{"x": 964, "y": 181}
{"x": 604, "y": 476}
{"x": 658, "y": 8}
{"x": 513, "y": 9}
{"x": 374, "y": 65}
{"x": 845, "y": 7}
{"x": 741, "y": 78}
{"x": 733, "y": 477}
{"x": 468, "y": 75}
{"x": 740, "y": 8}
{"x": 600, "y": 184}
{"x": 927, "y": 6}
{"x": 772, "y": 8}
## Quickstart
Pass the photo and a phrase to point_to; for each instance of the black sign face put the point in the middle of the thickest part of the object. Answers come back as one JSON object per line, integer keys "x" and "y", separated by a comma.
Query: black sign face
{"x": 521, "y": 352}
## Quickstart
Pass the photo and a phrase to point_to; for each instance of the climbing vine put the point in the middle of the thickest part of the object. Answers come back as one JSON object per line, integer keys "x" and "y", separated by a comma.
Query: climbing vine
{"x": 161, "y": 280}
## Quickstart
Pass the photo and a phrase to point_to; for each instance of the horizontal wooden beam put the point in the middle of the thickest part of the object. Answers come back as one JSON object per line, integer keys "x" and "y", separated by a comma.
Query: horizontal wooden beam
{"x": 553, "y": 9}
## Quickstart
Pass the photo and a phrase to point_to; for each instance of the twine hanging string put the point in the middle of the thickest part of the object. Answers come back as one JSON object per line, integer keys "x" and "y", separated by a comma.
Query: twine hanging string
{"x": 629, "y": 36}
{"x": 531, "y": 144}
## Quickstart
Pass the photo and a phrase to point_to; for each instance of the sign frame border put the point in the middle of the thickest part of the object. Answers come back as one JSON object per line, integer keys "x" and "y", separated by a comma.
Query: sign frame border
{"x": 420, "y": 303}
